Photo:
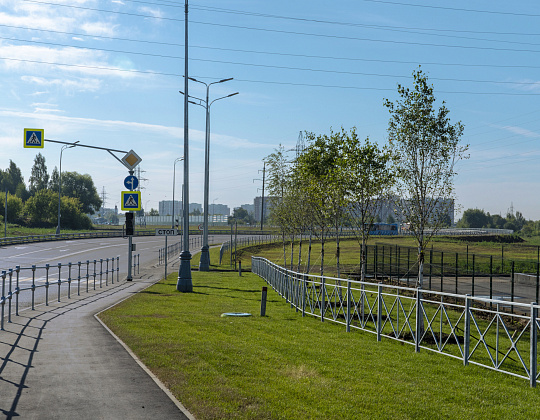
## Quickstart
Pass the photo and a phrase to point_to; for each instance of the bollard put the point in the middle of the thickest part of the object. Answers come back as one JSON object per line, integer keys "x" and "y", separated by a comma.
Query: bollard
{"x": 263, "y": 301}
{"x": 240, "y": 268}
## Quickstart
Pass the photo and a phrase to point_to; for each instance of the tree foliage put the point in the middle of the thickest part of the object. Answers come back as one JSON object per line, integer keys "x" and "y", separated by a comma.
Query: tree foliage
{"x": 39, "y": 178}
{"x": 81, "y": 187}
{"x": 426, "y": 147}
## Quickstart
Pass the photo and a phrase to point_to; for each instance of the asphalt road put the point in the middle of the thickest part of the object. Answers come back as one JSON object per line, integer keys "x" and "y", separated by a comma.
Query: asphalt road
{"x": 102, "y": 260}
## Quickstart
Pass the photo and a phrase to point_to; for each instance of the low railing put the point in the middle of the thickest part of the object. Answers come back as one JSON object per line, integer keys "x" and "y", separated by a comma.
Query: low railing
{"x": 491, "y": 333}
{"x": 15, "y": 240}
{"x": 29, "y": 286}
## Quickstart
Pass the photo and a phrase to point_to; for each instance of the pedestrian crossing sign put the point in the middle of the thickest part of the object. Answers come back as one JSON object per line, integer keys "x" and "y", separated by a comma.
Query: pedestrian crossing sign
{"x": 131, "y": 200}
{"x": 34, "y": 138}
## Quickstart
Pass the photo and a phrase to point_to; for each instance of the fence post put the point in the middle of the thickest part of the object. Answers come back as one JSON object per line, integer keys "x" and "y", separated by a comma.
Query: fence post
{"x": 473, "y": 255}
{"x": 87, "y": 274}
{"x": 117, "y": 269}
{"x": 79, "y": 280}
{"x": 69, "y": 280}
{"x": 467, "y": 332}
{"x": 379, "y": 311}
{"x": 33, "y": 286}
{"x": 10, "y": 294}
{"x": 442, "y": 271}
{"x": 323, "y": 292}
{"x": 95, "y": 262}
{"x": 534, "y": 336}
{"x": 3, "y": 299}
{"x": 348, "y": 329}
{"x": 46, "y": 284}
{"x": 491, "y": 281}
{"x": 418, "y": 321}
{"x": 457, "y": 271}
{"x": 59, "y": 279}
{"x": 107, "y": 273}
{"x": 100, "y": 272}
{"x": 304, "y": 295}
{"x": 537, "y": 278}
{"x": 17, "y": 290}
{"x": 513, "y": 284}
{"x": 430, "y": 266}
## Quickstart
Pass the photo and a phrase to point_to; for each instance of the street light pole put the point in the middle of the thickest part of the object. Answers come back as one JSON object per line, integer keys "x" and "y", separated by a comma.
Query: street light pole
{"x": 184, "y": 283}
{"x": 173, "y": 188}
{"x": 204, "y": 262}
{"x": 60, "y": 182}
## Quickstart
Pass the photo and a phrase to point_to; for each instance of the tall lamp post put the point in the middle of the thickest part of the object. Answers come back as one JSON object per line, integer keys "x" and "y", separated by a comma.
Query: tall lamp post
{"x": 60, "y": 182}
{"x": 204, "y": 263}
{"x": 184, "y": 283}
{"x": 173, "y": 187}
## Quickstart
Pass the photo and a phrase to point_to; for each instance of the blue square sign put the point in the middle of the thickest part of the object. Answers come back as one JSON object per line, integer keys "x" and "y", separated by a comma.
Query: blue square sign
{"x": 34, "y": 138}
{"x": 131, "y": 200}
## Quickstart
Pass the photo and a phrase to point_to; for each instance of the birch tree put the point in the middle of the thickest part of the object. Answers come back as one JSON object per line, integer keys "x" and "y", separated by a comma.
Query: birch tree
{"x": 426, "y": 147}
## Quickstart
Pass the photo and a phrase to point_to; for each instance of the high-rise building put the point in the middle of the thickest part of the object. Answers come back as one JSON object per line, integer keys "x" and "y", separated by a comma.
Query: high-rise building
{"x": 166, "y": 208}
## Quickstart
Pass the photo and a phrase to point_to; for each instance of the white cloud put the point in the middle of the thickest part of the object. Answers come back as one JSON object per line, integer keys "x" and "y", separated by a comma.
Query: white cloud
{"x": 73, "y": 85}
{"x": 521, "y": 131}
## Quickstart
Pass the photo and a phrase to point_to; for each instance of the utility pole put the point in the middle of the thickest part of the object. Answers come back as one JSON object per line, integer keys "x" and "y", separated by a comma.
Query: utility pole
{"x": 184, "y": 283}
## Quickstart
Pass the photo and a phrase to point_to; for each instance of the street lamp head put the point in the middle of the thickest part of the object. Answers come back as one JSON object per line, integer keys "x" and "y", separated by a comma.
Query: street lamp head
{"x": 232, "y": 94}
{"x": 225, "y": 80}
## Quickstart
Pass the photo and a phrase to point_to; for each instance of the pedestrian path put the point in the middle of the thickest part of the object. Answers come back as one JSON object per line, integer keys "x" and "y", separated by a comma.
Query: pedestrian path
{"x": 58, "y": 362}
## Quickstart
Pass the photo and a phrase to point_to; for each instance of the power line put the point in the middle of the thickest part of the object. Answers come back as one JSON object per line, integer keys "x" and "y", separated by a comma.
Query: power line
{"x": 457, "y": 9}
{"x": 262, "y": 81}
{"x": 274, "y": 53}
{"x": 270, "y": 66}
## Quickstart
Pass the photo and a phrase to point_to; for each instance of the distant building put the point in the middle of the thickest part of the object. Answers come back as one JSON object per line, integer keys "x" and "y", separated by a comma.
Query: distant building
{"x": 257, "y": 207}
{"x": 166, "y": 208}
{"x": 193, "y": 207}
{"x": 250, "y": 208}
{"x": 388, "y": 209}
{"x": 221, "y": 209}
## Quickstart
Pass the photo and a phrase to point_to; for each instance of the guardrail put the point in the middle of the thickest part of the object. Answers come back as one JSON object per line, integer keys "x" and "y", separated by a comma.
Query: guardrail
{"x": 37, "y": 280}
{"x": 491, "y": 333}
{"x": 15, "y": 240}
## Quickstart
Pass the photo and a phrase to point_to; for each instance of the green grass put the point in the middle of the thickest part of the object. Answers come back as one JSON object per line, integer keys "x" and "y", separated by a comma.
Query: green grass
{"x": 283, "y": 366}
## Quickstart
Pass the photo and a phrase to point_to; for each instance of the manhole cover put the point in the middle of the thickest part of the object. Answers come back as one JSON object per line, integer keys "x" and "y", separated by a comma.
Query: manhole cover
{"x": 235, "y": 314}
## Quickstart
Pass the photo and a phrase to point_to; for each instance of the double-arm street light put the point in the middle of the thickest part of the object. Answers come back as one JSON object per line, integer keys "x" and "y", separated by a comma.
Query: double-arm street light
{"x": 173, "y": 187}
{"x": 204, "y": 263}
{"x": 60, "y": 182}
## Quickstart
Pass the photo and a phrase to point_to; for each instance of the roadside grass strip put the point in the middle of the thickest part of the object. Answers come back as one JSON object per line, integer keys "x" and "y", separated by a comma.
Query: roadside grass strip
{"x": 285, "y": 366}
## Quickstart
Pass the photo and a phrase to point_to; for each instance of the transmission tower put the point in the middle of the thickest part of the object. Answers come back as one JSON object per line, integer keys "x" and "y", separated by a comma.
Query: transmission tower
{"x": 300, "y": 145}
{"x": 103, "y": 198}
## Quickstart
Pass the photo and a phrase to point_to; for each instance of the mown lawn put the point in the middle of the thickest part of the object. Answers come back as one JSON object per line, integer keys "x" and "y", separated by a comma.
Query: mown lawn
{"x": 283, "y": 366}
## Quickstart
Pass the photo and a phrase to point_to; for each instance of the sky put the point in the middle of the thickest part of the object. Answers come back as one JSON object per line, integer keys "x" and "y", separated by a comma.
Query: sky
{"x": 107, "y": 73}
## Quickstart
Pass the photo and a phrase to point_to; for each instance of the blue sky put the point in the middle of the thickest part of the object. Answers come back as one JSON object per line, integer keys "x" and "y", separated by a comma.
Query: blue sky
{"x": 107, "y": 73}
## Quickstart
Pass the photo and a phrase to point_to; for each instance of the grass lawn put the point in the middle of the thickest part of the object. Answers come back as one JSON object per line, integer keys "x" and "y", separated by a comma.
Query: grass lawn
{"x": 283, "y": 366}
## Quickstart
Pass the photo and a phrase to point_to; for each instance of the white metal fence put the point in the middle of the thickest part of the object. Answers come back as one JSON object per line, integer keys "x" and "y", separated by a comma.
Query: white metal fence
{"x": 495, "y": 334}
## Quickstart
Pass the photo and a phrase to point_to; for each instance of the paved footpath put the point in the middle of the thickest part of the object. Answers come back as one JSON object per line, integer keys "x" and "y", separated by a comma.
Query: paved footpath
{"x": 58, "y": 362}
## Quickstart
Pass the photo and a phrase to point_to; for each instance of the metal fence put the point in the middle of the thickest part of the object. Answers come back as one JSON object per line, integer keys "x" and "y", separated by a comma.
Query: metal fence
{"x": 24, "y": 287}
{"x": 491, "y": 333}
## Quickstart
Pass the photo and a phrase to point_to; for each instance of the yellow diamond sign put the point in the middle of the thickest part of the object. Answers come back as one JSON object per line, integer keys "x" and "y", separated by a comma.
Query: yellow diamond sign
{"x": 131, "y": 160}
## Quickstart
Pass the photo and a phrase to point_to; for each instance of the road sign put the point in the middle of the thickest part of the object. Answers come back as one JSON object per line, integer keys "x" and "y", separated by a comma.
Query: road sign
{"x": 167, "y": 232}
{"x": 131, "y": 160}
{"x": 34, "y": 138}
{"x": 131, "y": 200}
{"x": 131, "y": 182}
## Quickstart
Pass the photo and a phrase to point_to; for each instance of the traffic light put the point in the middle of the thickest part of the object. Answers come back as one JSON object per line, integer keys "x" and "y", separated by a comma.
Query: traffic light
{"x": 130, "y": 224}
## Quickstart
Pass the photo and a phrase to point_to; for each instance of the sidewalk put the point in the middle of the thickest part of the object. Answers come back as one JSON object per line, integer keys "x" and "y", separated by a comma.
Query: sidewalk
{"x": 58, "y": 362}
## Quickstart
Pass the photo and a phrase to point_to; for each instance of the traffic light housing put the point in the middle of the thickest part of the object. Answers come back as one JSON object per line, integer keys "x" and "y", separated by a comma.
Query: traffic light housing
{"x": 130, "y": 224}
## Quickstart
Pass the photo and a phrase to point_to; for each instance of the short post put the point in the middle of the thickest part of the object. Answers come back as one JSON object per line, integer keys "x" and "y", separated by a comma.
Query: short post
{"x": 46, "y": 284}
{"x": 17, "y": 290}
{"x": 240, "y": 268}
{"x": 348, "y": 329}
{"x": 263, "y": 301}
{"x": 379, "y": 311}
{"x": 59, "y": 279}
{"x": 467, "y": 333}
{"x": 69, "y": 280}
{"x": 33, "y": 286}
{"x": 534, "y": 346}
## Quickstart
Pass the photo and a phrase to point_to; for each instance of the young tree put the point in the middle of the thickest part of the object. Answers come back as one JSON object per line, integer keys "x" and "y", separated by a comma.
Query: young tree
{"x": 39, "y": 178}
{"x": 369, "y": 178}
{"x": 426, "y": 147}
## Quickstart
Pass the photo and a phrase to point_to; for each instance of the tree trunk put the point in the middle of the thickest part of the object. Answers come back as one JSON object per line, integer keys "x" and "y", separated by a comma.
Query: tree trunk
{"x": 300, "y": 253}
{"x": 309, "y": 254}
